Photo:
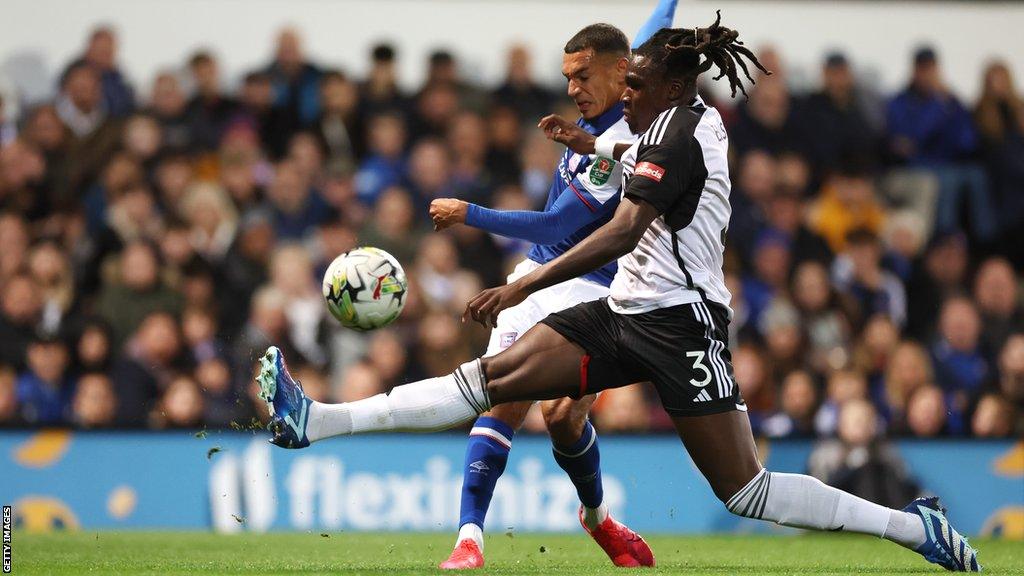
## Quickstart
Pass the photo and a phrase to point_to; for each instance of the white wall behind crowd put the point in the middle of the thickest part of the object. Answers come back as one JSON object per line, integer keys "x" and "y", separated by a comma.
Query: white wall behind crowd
{"x": 38, "y": 37}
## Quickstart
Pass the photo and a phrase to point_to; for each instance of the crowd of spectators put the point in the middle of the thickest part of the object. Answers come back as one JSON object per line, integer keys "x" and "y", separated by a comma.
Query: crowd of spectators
{"x": 155, "y": 239}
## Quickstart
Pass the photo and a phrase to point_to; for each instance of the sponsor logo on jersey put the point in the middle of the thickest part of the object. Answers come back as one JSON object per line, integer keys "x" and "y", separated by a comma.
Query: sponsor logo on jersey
{"x": 601, "y": 170}
{"x": 648, "y": 170}
{"x": 507, "y": 339}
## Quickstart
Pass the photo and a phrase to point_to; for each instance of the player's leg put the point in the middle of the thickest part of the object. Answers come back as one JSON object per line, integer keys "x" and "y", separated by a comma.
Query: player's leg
{"x": 693, "y": 376}
{"x": 684, "y": 349}
{"x": 803, "y": 501}
{"x": 575, "y": 448}
{"x": 541, "y": 365}
{"x": 491, "y": 437}
{"x": 487, "y": 451}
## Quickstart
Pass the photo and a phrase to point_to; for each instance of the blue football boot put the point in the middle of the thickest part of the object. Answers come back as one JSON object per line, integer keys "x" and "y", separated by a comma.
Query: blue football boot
{"x": 287, "y": 403}
{"x": 943, "y": 545}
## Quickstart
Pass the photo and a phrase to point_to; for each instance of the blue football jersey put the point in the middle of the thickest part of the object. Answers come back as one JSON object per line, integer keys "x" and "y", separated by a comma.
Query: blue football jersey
{"x": 596, "y": 181}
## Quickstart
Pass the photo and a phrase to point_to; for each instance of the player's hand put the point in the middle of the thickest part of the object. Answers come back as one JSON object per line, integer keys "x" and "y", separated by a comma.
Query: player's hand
{"x": 485, "y": 306}
{"x": 568, "y": 133}
{"x": 447, "y": 212}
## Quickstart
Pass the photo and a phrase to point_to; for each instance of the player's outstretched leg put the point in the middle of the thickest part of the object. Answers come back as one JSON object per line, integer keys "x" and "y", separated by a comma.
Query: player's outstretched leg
{"x": 487, "y": 451}
{"x": 540, "y": 365}
{"x": 805, "y": 502}
{"x": 575, "y": 448}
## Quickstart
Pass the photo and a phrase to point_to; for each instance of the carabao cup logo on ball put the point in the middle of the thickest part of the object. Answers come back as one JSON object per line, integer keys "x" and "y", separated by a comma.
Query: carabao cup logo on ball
{"x": 365, "y": 288}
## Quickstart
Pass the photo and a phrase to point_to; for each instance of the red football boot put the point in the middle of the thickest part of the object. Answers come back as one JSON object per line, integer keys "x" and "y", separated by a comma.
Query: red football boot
{"x": 625, "y": 547}
{"x": 466, "y": 556}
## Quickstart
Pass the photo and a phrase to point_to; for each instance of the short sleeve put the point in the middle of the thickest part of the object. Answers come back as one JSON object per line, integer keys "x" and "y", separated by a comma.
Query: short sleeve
{"x": 660, "y": 175}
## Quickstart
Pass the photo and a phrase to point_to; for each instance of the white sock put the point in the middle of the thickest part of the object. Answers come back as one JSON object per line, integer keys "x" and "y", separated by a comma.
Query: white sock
{"x": 425, "y": 406}
{"x": 470, "y": 531}
{"x": 592, "y": 517}
{"x": 905, "y": 529}
{"x": 327, "y": 420}
{"x": 805, "y": 502}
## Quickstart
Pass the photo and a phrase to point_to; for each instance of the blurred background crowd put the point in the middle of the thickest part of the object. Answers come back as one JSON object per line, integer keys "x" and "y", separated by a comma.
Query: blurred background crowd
{"x": 154, "y": 239}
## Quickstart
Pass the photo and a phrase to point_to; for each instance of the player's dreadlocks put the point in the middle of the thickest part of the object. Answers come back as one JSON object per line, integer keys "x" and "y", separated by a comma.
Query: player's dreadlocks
{"x": 679, "y": 50}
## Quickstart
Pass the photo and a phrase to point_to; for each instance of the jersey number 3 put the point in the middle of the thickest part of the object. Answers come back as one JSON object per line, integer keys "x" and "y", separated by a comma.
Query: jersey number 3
{"x": 698, "y": 364}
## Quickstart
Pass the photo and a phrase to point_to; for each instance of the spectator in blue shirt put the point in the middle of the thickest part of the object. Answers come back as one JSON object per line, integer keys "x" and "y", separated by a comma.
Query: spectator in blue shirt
{"x": 296, "y": 82}
{"x": 44, "y": 388}
{"x": 384, "y": 166}
{"x": 927, "y": 124}
{"x": 930, "y": 129}
{"x": 772, "y": 256}
{"x": 858, "y": 273}
{"x": 101, "y": 55}
{"x": 799, "y": 402}
{"x": 295, "y": 205}
{"x": 960, "y": 365}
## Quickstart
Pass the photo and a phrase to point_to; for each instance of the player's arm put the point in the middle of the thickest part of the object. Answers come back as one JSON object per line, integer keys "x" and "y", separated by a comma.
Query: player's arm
{"x": 656, "y": 185}
{"x": 579, "y": 140}
{"x": 662, "y": 17}
{"x": 616, "y": 238}
{"x": 590, "y": 196}
{"x": 573, "y": 209}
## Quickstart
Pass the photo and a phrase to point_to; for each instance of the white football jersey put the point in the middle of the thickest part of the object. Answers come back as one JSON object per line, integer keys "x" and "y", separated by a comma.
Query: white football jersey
{"x": 680, "y": 166}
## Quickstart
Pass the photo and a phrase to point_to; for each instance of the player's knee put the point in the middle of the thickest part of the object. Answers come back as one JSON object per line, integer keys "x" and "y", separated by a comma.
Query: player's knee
{"x": 497, "y": 367}
{"x": 495, "y": 371}
{"x": 512, "y": 414}
{"x": 564, "y": 423}
{"x": 500, "y": 381}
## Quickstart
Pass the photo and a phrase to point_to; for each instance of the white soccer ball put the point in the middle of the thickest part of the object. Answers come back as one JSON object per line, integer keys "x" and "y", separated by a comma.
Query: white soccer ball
{"x": 365, "y": 288}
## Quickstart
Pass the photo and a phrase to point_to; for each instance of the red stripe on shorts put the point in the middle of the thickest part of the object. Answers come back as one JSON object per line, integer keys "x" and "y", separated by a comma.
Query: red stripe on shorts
{"x": 584, "y": 363}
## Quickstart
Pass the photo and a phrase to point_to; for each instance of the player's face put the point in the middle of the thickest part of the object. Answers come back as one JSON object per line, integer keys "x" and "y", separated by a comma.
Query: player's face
{"x": 644, "y": 96}
{"x": 595, "y": 80}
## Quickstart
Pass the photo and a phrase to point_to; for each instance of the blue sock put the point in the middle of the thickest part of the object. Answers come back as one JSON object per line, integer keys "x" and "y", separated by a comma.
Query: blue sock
{"x": 582, "y": 462}
{"x": 486, "y": 455}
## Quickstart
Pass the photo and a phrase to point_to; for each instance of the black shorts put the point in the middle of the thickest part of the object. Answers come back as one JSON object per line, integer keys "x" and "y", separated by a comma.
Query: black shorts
{"x": 683, "y": 350}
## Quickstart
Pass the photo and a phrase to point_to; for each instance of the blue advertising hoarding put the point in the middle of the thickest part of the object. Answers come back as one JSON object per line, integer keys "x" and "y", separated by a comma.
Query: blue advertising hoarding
{"x": 232, "y": 482}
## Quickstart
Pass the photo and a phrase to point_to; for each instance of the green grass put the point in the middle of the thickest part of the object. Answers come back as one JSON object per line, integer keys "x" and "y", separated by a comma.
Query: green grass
{"x": 564, "y": 555}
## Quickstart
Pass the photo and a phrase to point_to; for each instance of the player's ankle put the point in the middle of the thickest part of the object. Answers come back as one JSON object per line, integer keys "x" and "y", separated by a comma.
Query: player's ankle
{"x": 470, "y": 531}
{"x": 327, "y": 420}
{"x": 905, "y": 529}
{"x": 593, "y": 517}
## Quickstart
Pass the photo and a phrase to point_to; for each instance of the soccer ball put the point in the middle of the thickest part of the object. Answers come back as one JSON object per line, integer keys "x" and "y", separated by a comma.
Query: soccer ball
{"x": 365, "y": 288}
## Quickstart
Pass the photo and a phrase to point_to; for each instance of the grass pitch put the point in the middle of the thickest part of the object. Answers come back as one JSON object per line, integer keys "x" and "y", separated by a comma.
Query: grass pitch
{"x": 565, "y": 555}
